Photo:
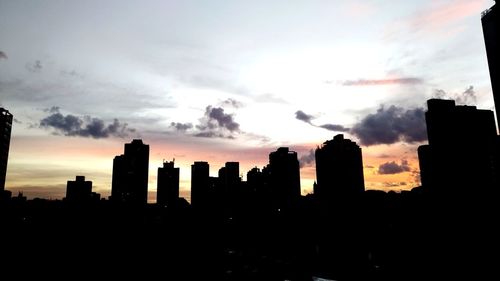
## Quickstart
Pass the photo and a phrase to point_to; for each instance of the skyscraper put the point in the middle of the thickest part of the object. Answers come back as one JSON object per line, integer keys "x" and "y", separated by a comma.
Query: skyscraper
{"x": 5, "y": 129}
{"x": 79, "y": 190}
{"x": 284, "y": 176}
{"x": 339, "y": 169}
{"x": 491, "y": 31}
{"x": 460, "y": 156}
{"x": 130, "y": 174}
{"x": 167, "y": 184}
{"x": 200, "y": 184}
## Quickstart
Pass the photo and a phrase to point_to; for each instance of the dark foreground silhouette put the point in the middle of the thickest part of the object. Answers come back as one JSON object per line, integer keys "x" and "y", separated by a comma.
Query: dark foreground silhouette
{"x": 376, "y": 236}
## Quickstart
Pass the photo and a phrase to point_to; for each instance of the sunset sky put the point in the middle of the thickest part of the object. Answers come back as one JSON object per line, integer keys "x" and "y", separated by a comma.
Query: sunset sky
{"x": 223, "y": 81}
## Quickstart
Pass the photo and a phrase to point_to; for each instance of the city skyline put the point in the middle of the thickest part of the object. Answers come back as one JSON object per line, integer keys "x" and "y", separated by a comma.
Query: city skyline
{"x": 231, "y": 90}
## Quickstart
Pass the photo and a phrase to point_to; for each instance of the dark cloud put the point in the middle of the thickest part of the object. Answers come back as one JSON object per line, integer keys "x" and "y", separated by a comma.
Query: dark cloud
{"x": 71, "y": 125}
{"x": 308, "y": 159}
{"x": 181, "y": 126}
{"x": 34, "y": 66}
{"x": 302, "y": 116}
{"x": 378, "y": 82}
{"x": 232, "y": 102}
{"x": 212, "y": 134}
{"x": 334, "y": 127}
{"x": 53, "y": 109}
{"x": 3, "y": 55}
{"x": 369, "y": 167}
{"x": 217, "y": 118}
{"x": 392, "y": 167}
{"x": 215, "y": 124}
{"x": 467, "y": 97}
{"x": 391, "y": 125}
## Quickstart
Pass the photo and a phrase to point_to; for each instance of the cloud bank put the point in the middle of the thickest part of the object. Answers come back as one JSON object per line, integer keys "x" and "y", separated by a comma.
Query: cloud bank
{"x": 71, "y": 125}
{"x": 390, "y": 125}
{"x": 390, "y": 168}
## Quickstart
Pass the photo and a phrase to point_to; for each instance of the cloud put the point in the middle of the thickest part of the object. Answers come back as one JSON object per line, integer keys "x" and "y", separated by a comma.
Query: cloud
{"x": 217, "y": 118}
{"x": 394, "y": 184}
{"x": 334, "y": 127}
{"x": 391, "y": 125}
{"x": 468, "y": 96}
{"x": 439, "y": 94}
{"x": 34, "y": 66}
{"x": 3, "y": 55}
{"x": 232, "y": 102}
{"x": 53, "y": 109}
{"x": 214, "y": 124}
{"x": 379, "y": 82}
{"x": 87, "y": 126}
{"x": 181, "y": 126}
{"x": 300, "y": 115}
{"x": 390, "y": 168}
{"x": 211, "y": 134}
{"x": 308, "y": 159}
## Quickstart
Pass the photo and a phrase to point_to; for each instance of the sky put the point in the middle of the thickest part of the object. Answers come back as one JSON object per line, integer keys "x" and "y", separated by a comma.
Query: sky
{"x": 222, "y": 81}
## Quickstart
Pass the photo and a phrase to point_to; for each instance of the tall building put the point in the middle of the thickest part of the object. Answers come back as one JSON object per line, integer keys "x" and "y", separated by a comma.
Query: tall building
{"x": 168, "y": 184}
{"x": 130, "y": 174}
{"x": 200, "y": 184}
{"x": 491, "y": 31}
{"x": 5, "y": 129}
{"x": 339, "y": 169}
{"x": 284, "y": 176}
{"x": 460, "y": 156}
{"x": 79, "y": 190}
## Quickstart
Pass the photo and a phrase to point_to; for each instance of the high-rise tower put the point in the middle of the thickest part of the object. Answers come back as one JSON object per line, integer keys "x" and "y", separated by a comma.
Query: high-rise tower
{"x": 491, "y": 31}
{"x": 339, "y": 169}
{"x": 130, "y": 174}
{"x": 168, "y": 184}
{"x": 5, "y": 129}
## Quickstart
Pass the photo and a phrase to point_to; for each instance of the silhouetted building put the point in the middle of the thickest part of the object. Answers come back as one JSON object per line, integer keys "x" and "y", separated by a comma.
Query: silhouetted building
{"x": 461, "y": 149}
{"x": 5, "y": 129}
{"x": 79, "y": 190}
{"x": 130, "y": 174}
{"x": 229, "y": 180}
{"x": 254, "y": 177}
{"x": 339, "y": 169}
{"x": 200, "y": 184}
{"x": 167, "y": 184}
{"x": 284, "y": 176}
{"x": 491, "y": 31}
